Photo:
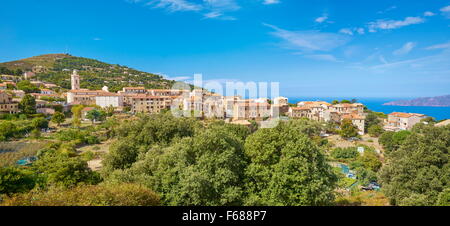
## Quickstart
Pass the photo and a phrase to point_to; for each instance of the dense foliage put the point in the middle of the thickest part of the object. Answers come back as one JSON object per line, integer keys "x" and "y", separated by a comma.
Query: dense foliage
{"x": 15, "y": 180}
{"x": 188, "y": 163}
{"x": 287, "y": 168}
{"x": 344, "y": 153}
{"x": 391, "y": 141}
{"x": 418, "y": 171}
{"x": 348, "y": 130}
{"x": 88, "y": 195}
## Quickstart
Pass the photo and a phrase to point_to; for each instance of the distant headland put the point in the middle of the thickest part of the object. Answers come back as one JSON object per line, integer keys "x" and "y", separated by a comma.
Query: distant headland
{"x": 439, "y": 101}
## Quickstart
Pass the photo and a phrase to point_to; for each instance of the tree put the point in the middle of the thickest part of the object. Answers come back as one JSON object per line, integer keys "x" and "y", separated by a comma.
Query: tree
{"x": 58, "y": 118}
{"x": 206, "y": 169}
{"x": 345, "y": 153}
{"x": 95, "y": 115}
{"x": 371, "y": 120}
{"x": 137, "y": 136}
{"x": 15, "y": 180}
{"x": 28, "y": 105}
{"x": 335, "y": 102}
{"x": 391, "y": 141}
{"x": 345, "y": 102}
{"x": 110, "y": 110}
{"x": 375, "y": 130}
{"x": 348, "y": 129}
{"x": 286, "y": 168}
{"x": 57, "y": 169}
{"x": 7, "y": 130}
{"x": 418, "y": 172}
{"x": 88, "y": 195}
{"x": 27, "y": 87}
{"x": 39, "y": 123}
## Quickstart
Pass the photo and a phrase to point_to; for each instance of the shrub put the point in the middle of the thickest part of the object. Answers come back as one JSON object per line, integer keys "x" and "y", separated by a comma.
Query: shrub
{"x": 344, "y": 153}
{"x": 93, "y": 195}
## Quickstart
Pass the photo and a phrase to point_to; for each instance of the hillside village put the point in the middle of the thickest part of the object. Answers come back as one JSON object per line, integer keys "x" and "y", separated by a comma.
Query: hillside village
{"x": 233, "y": 109}
{"x": 102, "y": 129}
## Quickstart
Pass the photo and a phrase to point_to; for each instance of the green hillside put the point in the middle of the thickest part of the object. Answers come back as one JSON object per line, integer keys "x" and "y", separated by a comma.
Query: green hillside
{"x": 56, "y": 68}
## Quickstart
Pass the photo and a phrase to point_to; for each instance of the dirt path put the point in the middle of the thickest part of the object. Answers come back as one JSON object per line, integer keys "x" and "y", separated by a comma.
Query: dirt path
{"x": 366, "y": 140}
{"x": 100, "y": 150}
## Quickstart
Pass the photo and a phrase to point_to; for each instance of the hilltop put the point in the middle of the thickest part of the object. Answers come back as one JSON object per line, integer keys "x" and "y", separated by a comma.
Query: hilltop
{"x": 440, "y": 101}
{"x": 56, "y": 68}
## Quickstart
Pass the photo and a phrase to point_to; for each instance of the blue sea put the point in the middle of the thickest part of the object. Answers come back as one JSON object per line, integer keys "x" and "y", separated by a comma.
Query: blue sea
{"x": 376, "y": 104}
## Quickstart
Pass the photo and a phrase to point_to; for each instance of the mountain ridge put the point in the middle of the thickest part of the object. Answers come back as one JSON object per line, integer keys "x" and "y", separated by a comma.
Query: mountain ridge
{"x": 56, "y": 68}
{"x": 438, "y": 101}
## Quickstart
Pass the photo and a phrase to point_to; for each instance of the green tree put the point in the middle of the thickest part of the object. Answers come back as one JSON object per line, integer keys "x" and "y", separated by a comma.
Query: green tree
{"x": 419, "y": 171}
{"x": 28, "y": 105}
{"x": 375, "y": 130}
{"x": 391, "y": 141}
{"x": 15, "y": 180}
{"x": 348, "y": 129}
{"x": 335, "y": 102}
{"x": 287, "y": 168}
{"x": 27, "y": 87}
{"x": 345, "y": 153}
{"x": 345, "y": 102}
{"x": 39, "y": 123}
{"x": 371, "y": 120}
{"x": 58, "y": 118}
{"x": 7, "y": 130}
{"x": 88, "y": 195}
{"x": 96, "y": 115}
{"x": 56, "y": 169}
{"x": 206, "y": 169}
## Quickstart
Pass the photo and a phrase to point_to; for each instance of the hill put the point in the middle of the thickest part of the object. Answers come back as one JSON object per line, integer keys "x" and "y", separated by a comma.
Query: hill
{"x": 56, "y": 68}
{"x": 440, "y": 101}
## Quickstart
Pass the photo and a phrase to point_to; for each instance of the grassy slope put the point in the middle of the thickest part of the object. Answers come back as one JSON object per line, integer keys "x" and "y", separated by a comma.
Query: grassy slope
{"x": 94, "y": 74}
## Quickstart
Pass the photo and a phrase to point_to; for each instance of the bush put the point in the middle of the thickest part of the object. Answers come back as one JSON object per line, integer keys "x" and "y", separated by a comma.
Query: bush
{"x": 345, "y": 153}
{"x": 93, "y": 195}
{"x": 375, "y": 130}
{"x": 15, "y": 180}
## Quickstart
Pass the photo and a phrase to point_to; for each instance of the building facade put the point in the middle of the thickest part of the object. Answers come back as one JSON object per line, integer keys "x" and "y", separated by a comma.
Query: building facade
{"x": 7, "y": 105}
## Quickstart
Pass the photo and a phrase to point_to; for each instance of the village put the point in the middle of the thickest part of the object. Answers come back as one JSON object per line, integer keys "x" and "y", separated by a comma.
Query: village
{"x": 200, "y": 102}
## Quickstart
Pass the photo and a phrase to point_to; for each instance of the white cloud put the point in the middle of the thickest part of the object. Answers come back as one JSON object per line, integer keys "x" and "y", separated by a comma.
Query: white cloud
{"x": 360, "y": 30}
{"x": 428, "y": 13}
{"x": 324, "y": 57}
{"x": 439, "y": 46}
{"x": 321, "y": 19}
{"x": 270, "y": 2}
{"x": 210, "y": 9}
{"x": 347, "y": 31}
{"x": 446, "y": 11}
{"x": 175, "y": 5}
{"x": 97, "y": 39}
{"x": 351, "y": 31}
{"x": 394, "y": 24}
{"x": 309, "y": 40}
{"x": 387, "y": 10}
{"x": 406, "y": 48}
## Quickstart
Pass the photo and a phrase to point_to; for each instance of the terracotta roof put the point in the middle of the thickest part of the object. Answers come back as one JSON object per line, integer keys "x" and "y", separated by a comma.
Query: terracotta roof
{"x": 253, "y": 104}
{"x": 405, "y": 115}
{"x": 88, "y": 109}
{"x": 145, "y": 96}
{"x": 86, "y": 91}
{"x": 300, "y": 108}
{"x": 353, "y": 116}
{"x": 134, "y": 87}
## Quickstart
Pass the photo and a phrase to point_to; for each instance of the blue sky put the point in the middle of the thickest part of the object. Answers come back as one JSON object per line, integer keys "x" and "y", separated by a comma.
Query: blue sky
{"x": 333, "y": 48}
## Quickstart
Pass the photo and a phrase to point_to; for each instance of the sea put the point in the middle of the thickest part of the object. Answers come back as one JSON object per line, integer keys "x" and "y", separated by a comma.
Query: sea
{"x": 376, "y": 104}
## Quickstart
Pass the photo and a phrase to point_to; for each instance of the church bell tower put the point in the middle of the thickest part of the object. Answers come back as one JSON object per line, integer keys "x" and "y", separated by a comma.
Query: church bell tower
{"x": 75, "y": 80}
